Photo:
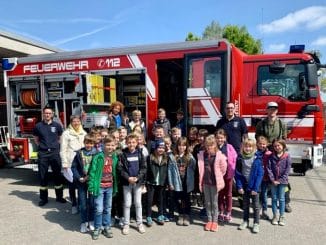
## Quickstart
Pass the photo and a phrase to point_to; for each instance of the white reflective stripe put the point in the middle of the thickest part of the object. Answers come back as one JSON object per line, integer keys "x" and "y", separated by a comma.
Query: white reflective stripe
{"x": 136, "y": 63}
{"x": 195, "y": 93}
{"x": 200, "y": 121}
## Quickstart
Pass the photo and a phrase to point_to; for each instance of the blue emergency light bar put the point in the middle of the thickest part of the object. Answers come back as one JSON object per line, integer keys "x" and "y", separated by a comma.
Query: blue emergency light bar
{"x": 9, "y": 64}
{"x": 298, "y": 48}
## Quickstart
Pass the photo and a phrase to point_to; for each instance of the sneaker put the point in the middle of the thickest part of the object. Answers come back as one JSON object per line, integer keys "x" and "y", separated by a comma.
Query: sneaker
{"x": 74, "y": 210}
{"x": 125, "y": 230}
{"x": 121, "y": 222}
{"x": 243, "y": 225}
{"x": 180, "y": 220}
{"x": 228, "y": 217}
{"x": 264, "y": 215}
{"x": 220, "y": 217}
{"x": 288, "y": 209}
{"x": 96, "y": 234}
{"x": 255, "y": 228}
{"x": 149, "y": 221}
{"x": 83, "y": 227}
{"x": 274, "y": 220}
{"x": 214, "y": 227}
{"x": 166, "y": 218}
{"x": 160, "y": 220}
{"x": 107, "y": 232}
{"x": 91, "y": 225}
{"x": 141, "y": 229}
{"x": 281, "y": 221}
{"x": 186, "y": 220}
{"x": 208, "y": 226}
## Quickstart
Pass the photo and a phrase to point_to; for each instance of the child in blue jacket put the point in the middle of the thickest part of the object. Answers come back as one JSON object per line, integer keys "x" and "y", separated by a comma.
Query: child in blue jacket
{"x": 249, "y": 174}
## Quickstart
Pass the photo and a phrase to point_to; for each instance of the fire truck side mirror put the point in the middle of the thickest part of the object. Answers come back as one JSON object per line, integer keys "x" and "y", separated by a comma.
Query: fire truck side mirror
{"x": 312, "y": 75}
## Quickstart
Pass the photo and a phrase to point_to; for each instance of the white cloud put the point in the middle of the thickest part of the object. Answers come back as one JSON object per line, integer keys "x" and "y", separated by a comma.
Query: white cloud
{"x": 321, "y": 41}
{"x": 274, "y": 48}
{"x": 313, "y": 17}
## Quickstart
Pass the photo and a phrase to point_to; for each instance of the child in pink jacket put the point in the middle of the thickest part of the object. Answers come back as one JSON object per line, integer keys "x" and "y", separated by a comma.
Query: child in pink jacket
{"x": 212, "y": 167}
{"x": 225, "y": 195}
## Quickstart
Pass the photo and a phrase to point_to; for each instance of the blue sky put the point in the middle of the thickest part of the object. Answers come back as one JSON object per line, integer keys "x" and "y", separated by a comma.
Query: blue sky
{"x": 75, "y": 25}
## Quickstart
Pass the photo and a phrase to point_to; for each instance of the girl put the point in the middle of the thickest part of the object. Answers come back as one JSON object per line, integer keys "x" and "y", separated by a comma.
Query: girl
{"x": 225, "y": 195}
{"x": 156, "y": 180}
{"x": 193, "y": 138}
{"x": 278, "y": 168}
{"x": 185, "y": 172}
{"x": 248, "y": 176}
{"x": 212, "y": 167}
{"x": 262, "y": 146}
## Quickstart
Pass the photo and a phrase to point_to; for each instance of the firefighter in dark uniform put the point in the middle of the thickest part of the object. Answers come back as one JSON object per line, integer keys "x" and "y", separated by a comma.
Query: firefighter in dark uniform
{"x": 47, "y": 136}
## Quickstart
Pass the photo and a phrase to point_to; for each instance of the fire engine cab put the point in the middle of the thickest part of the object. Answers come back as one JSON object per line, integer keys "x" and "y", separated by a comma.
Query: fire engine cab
{"x": 197, "y": 77}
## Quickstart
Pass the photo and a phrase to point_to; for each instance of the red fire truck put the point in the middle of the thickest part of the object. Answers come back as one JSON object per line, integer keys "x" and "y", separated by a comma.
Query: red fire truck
{"x": 197, "y": 77}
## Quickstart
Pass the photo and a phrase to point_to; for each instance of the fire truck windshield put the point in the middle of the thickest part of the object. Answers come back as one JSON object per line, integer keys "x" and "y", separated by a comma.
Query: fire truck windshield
{"x": 289, "y": 82}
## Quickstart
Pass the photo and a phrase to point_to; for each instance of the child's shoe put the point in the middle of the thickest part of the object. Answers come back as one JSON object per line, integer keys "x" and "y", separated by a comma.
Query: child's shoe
{"x": 255, "y": 228}
{"x": 160, "y": 220}
{"x": 274, "y": 220}
{"x": 166, "y": 218}
{"x": 228, "y": 217}
{"x": 186, "y": 220}
{"x": 107, "y": 232}
{"x": 208, "y": 226}
{"x": 96, "y": 234}
{"x": 83, "y": 227}
{"x": 243, "y": 225}
{"x": 264, "y": 215}
{"x": 220, "y": 217}
{"x": 141, "y": 229}
{"x": 91, "y": 225}
{"x": 149, "y": 221}
{"x": 214, "y": 227}
{"x": 180, "y": 220}
{"x": 281, "y": 221}
{"x": 125, "y": 230}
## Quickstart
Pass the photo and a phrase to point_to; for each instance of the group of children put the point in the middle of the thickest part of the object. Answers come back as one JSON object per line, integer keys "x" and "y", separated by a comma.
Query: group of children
{"x": 114, "y": 169}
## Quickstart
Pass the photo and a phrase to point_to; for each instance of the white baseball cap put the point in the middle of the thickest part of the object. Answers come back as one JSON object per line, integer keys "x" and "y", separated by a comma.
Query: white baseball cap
{"x": 272, "y": 104}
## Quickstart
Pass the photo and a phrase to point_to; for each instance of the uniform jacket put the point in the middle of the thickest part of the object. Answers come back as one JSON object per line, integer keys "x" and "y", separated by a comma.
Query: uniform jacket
{"x": 95, "y": 173}
{"x": 71, "y": 141}
{"x": 255, "y": 177}
{"x": 219, "y": 169}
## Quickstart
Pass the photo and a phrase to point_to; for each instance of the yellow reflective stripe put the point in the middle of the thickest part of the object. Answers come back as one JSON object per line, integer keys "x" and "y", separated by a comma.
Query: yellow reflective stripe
{"x": 43, "y": 188}
{"x": 58, "y": 186}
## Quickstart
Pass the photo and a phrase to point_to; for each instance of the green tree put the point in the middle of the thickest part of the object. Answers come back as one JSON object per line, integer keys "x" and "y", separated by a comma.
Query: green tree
{"x": 213, "y": 31}
{"x": 192, "y": 37}
{"x": 241, "y": 38}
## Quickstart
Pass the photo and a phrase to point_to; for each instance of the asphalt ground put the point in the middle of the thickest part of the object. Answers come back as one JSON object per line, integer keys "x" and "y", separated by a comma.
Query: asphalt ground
{"x": 23, "y": 222}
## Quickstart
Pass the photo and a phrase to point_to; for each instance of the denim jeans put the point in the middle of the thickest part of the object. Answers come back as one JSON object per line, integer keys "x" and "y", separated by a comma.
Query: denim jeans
{"x": 263, "y": 194}
{"x": 128, "y": 191}
{"x": 211, "y": 199}
{"x": 278, "y": 194}
{"x": 86, "y": 204}
{"x": 103, "y": 205}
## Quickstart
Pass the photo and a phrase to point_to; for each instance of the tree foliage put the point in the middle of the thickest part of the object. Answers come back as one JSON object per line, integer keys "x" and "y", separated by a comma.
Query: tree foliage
{"x": 239, "y": 36}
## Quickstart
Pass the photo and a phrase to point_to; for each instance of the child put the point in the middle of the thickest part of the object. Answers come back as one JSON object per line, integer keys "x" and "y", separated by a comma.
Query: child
{"x": 248, "y": 176}
{"x": 158, "y": 135}
{"x": 278, "y": 168}
{"x": 212, "y": 167}
{"x": 262, "y": 146}
{"x": 122, "y": 137}
{"x": 156, "y": 180}
{"x": 225, "y": 195}
{"x": 132, "y": 168}
{"x": 104, "y": 133}
{"x": 102, "y": 185}
{"x": 185, "y": 171}
{"x": 193, "y": 138}
{"x": 181, "y": 122}
{"x": 163, "y": 121}
{"x": 175, "y": 135}
{"x": 96, "y": 134}
{"x": 80, "y": 167}
{"x": 136, "y": 121}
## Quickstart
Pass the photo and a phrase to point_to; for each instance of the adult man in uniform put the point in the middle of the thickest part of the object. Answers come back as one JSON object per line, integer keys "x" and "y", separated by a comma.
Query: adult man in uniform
{"x": 273, "y": 128}
{"x": 234, "y": 126}
{"x": 47, "y": 136}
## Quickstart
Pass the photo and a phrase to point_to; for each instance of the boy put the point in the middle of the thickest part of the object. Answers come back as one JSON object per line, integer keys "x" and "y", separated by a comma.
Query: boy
{"x": 122, "y": 137}
{"x": 163, "y": 121}
{"x": 103, "y": 185}
{"x": 132, "y": 167}
{"x": 175, "y": 135}
{"x": 158, "y": 135}
{"x": 181, "y": 122}
{"x": 80, "y": 167}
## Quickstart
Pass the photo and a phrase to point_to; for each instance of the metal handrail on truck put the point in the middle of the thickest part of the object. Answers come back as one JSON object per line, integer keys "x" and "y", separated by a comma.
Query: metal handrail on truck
{"x": 4, "y": 136}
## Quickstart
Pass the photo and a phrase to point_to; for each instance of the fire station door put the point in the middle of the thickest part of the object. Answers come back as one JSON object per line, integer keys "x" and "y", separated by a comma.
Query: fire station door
{"x": 204, "y": 90}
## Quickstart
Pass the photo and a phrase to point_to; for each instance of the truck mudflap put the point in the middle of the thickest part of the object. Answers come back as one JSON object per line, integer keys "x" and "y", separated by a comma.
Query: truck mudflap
{"x": 305, "y": 156}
